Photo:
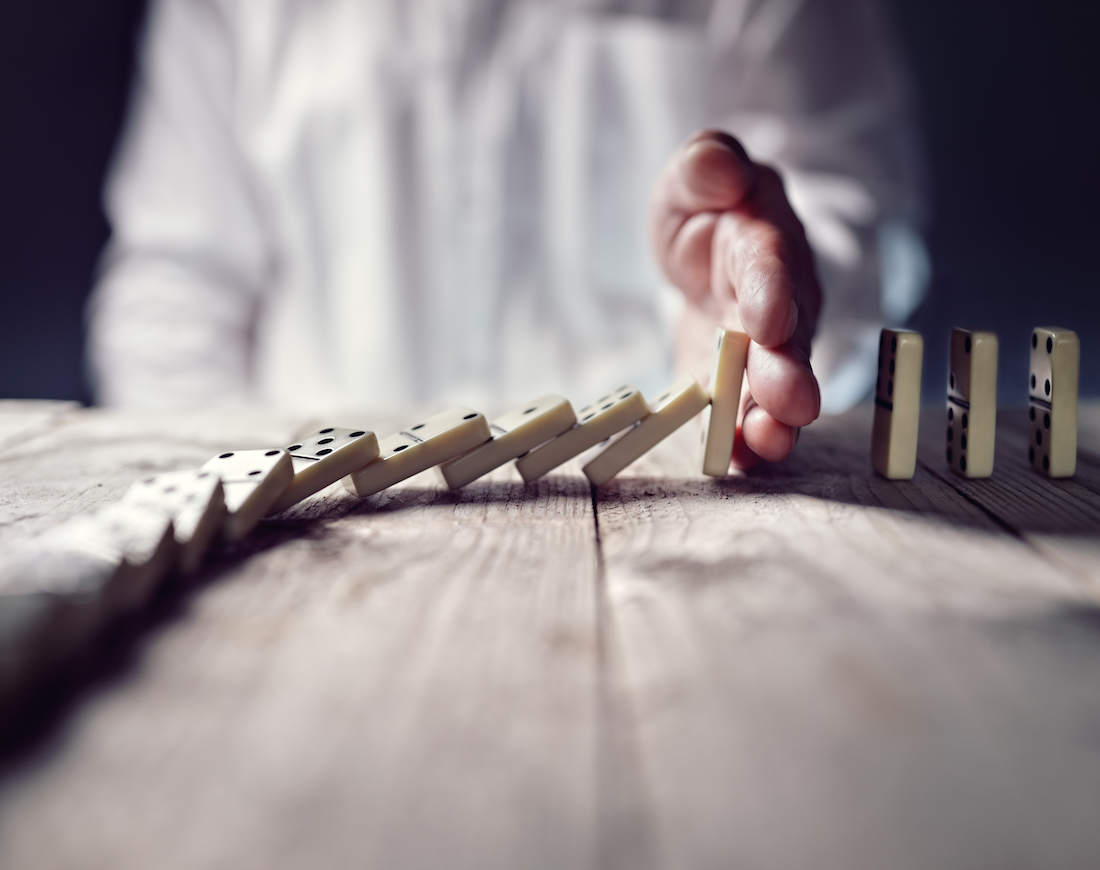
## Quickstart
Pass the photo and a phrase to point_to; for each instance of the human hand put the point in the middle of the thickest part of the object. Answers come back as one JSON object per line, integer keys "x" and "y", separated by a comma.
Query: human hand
{"x": 725, "y": 234}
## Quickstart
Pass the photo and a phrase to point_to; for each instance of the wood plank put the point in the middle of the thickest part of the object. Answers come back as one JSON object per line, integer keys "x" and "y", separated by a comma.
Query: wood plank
{"x": 826, "y": 669}
{"x": 409, "y": 681}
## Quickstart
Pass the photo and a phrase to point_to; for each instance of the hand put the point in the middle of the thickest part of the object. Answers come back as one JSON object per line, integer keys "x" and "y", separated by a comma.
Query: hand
{"x": 725, "y": 234}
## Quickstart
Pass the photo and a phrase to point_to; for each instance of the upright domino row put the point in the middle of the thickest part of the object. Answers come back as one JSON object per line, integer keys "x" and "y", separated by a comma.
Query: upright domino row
{"x": 72, "y": 584}
{"x": 972, "y": 402}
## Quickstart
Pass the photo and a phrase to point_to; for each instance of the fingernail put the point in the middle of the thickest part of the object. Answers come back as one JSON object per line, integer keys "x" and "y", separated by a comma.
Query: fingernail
{"x": 792, "y": 318}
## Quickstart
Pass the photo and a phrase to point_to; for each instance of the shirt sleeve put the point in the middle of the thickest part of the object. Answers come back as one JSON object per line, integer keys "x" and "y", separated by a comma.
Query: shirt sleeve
{"x": 814, "y": 87}
{"x": 171, "y": 317}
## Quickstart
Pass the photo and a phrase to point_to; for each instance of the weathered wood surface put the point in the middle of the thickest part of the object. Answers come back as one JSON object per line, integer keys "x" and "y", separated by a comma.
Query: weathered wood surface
{"x": 807, "y": 666}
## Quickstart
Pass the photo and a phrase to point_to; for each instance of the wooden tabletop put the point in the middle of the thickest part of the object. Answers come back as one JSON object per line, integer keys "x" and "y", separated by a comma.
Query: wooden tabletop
{"x": 807, "y": 666}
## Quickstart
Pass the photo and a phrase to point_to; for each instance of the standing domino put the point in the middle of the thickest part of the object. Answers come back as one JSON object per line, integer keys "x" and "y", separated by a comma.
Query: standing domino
{"x": 514, "y": 434}
{"x": 253, "y": 480}
{"x": 972, "y": 402}
{"x": 420, "y": 447}
{"x": 897, "y": 403}
{"x": 194, "y": 500}
{"x": 598, "y": 422}
{"x": 720, "y": 419}
{"x": 324, "y": 458}
{"x": 673, "y": 408}
{"x": 1052, "y": 396}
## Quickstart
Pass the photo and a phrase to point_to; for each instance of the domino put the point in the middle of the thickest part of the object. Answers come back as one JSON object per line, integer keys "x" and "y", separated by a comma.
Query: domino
{"x": 597, "y": 422}
{"x": 720, "y": 418}
{"x": 897, "y": 403}
{"x": 514, "y": 434}
{"x": 672, "y": 409}
{"x": 323, "y": 459}
{"x": 1052, "y": 401}
{"x": 419, "y": 448}
{"x": 253, "y": 480}
{"x": 972, "y": 402}
{"x": 194, "y": 500}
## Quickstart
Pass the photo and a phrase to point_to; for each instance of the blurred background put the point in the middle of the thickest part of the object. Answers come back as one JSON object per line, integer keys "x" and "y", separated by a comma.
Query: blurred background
{"x": 1007, "y": 99}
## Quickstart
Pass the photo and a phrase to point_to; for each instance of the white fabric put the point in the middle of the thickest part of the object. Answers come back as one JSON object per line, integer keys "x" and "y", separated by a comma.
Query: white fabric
{"x": 385, "y": 202}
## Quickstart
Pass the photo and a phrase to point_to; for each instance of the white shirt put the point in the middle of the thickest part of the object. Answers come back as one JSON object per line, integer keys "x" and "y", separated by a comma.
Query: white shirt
{"x": 377, "y": 203}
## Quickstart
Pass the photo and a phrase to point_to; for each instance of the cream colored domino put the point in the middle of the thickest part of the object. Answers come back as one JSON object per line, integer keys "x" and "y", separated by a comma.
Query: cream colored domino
{"x": 324, "y": 458}
{"x": 514, "y": 434}
{"x": 1052, "y": 400}
{"x": 672, "y": 409}
{"x": 971, "y": 402}
{"x": 419, "y": 448}
{"x": 252, "y": 480}
{"x": 597, "y": 422}
{"x": 720, "y": 419}
{"x": 194, "y": 500}
{"x": 897, "y": 403}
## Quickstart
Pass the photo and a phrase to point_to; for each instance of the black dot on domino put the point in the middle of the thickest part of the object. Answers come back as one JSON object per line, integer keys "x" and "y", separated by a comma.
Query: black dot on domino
{"x": 1050, "y": 347}
{"x": 962, "y": 463}
{"x": 530, "y": 410}
{"x": 421, "y": 425}
{"x": 950, "y": 413}
{"x": 1046, "y": 421}
{"x": 952, "y": 380}
{"x": 325, "y": 431}
{"x": 967, "y": 345}
{"x": 966, "y": 419}
{"x": 1046, "y": 387}
{"x": 608, "y": 405}
{"x": 251, "y": 473}
{"x": 269, "y": 453}
{"x": 894, "y": 344}
{"x": 1046, "y": 460}
{"x": 324, "y": 452}
{"x": 225, "y": 456}
{"x": 626, "y": 395}
{"x": 1034, "y": 339}
{"x": 400, "y": 448}
{"x": 1033, "y": 382}
{"x": 325, "y": 441}
{"x": 467, "y": 417}
{"x": 587, "y": 418}
{"x": 662, "y": 398}
{"x": 962, "y": 441}
{"x": 295, "y": 447}
{"x": 357, "y": 433}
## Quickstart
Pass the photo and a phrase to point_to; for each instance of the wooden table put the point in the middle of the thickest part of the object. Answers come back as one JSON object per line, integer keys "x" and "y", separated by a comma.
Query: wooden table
{"x": 807, "y": 666}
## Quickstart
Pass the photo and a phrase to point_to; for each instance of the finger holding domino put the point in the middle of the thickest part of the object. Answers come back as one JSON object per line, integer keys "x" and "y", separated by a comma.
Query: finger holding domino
{"x": 252, "y": 481}
{"x": 420, "y": 447}
{"x": 514, "y": 434}
{"x": 597, "y": 422}
{"x": 720, "y": 418}
{"x": 671, "y": 410}
{"x": 324, "y": 458}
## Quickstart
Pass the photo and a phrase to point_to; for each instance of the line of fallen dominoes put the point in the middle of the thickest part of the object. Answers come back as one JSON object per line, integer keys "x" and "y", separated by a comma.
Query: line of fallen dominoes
{"x": 972, "y": 402}
{"x": 64, "y": 590}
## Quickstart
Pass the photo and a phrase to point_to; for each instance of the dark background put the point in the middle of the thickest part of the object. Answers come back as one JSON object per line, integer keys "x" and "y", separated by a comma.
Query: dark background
{"x": 1007, "y": 96}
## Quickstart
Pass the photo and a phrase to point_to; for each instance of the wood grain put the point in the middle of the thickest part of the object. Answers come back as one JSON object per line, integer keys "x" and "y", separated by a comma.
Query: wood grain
{"x": 804, "y": 666}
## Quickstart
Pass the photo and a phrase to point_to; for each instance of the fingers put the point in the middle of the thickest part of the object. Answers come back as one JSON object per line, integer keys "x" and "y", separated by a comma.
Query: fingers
{"x": 761, "y": 436}
{"x": 710, "y": 174}
{"x": 783, "y": 385}
{"x": 761, "y": 259}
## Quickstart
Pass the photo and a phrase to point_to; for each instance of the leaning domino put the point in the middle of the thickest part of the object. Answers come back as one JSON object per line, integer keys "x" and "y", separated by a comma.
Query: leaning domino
{"x": 972, "y": 402}
{"x": 1052, "y": 400}
{"x": 720, "y": 418}
{"x": 324, "y": 458}
{"x": 897, "y": 403}
{"x": 672, "y": 409}
{"x": 514, "y": 434}
{"x": 419, "y": 448}
{"x": 253, "y": 480}
{"x": 597, "y": 422}
{"x": 195, "y": 501}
